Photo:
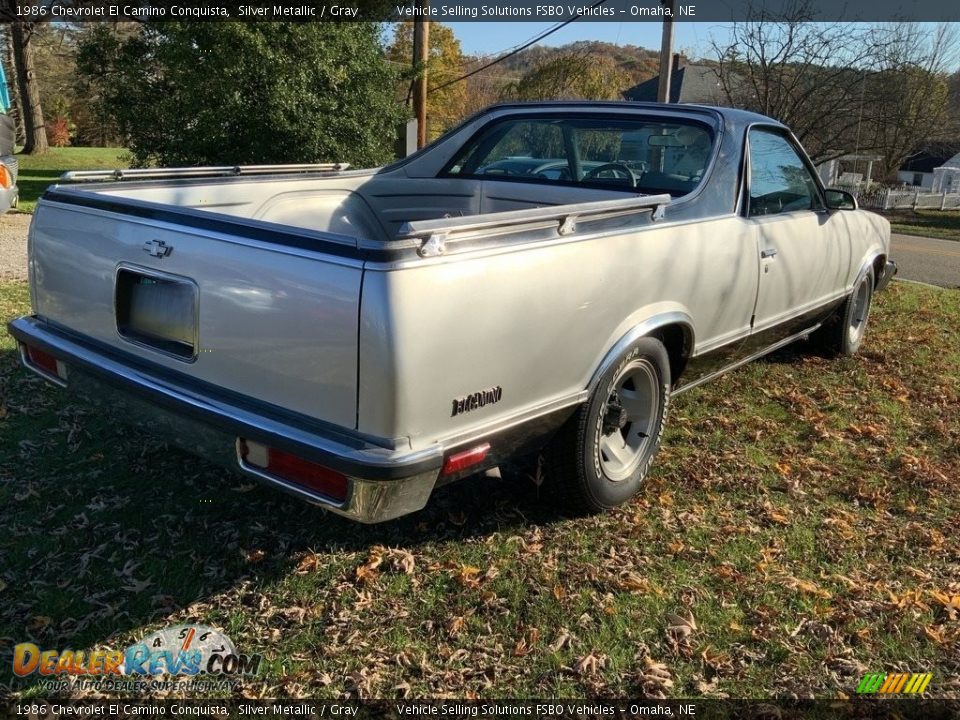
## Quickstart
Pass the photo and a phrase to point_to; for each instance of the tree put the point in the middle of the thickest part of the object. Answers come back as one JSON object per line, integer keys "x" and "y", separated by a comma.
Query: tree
{"x": 808, "y": 75}
{"x": 28, "y": 87}
{"x": 574, "y": 75}
{"x": 908, "y": 96}
{"x": 187, "y": 93}
{"x": 445, "y": 106}
{"x": 98, "y": 45}
{"x": 841, "y": 87}
{"x": 22, "y": 37}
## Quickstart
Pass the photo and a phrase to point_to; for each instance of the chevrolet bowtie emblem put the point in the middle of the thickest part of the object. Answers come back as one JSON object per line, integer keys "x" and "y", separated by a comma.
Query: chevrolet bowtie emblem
{"x": 157, "y": 248}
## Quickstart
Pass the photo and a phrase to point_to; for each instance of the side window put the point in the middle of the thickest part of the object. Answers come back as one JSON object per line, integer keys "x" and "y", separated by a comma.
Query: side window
{"x": 779, "y": 180}
{"x": 529, "y": 149}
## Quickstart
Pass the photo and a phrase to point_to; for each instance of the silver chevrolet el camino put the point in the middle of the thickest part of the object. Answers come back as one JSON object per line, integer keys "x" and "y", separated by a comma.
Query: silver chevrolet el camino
{"x": 543, "y": 278}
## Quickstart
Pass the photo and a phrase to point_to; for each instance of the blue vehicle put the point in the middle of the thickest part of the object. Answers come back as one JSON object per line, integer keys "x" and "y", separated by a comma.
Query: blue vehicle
{"x": 9, "y": 194}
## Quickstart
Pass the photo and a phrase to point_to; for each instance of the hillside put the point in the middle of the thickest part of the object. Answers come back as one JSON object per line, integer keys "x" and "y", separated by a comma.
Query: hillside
{"x": 640, "y": 63}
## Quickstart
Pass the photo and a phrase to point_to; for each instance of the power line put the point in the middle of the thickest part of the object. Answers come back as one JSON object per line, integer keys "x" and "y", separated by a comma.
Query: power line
{"x": 524, "y": 46}
{"x": 485, "y": 56}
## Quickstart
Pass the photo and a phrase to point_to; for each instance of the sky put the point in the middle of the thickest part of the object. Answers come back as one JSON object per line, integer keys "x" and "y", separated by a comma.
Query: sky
{"x": 491, "y": 38}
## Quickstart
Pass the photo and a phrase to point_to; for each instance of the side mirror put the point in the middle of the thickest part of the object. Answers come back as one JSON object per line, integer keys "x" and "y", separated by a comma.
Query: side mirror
{"x": 840, "y": 199}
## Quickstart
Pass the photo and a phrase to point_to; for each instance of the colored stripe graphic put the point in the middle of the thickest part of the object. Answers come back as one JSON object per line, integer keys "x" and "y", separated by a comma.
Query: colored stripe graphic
{"x": 899, "y": 686}
{"x": 870, "y": 683}
{"x": 888, "y": 683}
{"x": 894, "y": 683}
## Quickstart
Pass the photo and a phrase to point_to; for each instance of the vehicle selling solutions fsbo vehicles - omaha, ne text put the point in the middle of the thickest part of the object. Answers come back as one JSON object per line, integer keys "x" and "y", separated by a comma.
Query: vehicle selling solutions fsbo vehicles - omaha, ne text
{"x": 540, "y": 279}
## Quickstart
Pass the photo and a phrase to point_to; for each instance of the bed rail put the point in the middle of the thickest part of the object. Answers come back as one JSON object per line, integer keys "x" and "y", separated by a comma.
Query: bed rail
{"x": 435, "y": 234}
{"x": 196, "y": 172}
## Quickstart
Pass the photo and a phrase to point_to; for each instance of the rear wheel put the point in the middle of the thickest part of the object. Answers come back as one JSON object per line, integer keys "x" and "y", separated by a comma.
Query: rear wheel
{"x": 601, "y": 456}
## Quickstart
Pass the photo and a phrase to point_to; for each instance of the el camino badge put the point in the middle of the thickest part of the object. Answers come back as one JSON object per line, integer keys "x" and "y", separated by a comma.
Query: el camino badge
{"x": 476, "y": 400}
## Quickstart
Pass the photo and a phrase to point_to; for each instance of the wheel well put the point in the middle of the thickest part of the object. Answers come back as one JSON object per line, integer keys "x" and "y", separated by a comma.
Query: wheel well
{"x": 678, "y": 340}
{"x": 879, "y": 262}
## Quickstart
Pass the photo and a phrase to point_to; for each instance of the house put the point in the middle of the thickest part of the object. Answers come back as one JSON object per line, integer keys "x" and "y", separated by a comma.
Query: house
{"x": 919, "y": 168}
{"x": 688, "y": 84}
{"x": 946, "y": 178}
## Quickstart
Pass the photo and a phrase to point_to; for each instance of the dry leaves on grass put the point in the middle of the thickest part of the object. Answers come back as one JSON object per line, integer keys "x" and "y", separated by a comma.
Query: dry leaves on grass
{"x": 527, "y": 642}
{"x": 590, "y": 664}
{"x": 807, "y": 587}
{"x": 369, "y": 571}
{"x": 950, "y": 603}
{"x": 681, "y": 627}
{"x": 655, "y": 679}
{"x": 633, "y": 582}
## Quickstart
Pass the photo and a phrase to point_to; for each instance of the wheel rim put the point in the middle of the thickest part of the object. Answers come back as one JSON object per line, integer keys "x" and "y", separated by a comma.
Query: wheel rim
{"x": 860, "y": 312}
{"x": 628, "y": 421}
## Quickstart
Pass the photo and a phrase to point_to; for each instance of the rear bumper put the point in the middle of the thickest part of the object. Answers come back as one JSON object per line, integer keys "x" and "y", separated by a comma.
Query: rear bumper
{"x": 383, "y": 483}
{"x": 886, "y": 275}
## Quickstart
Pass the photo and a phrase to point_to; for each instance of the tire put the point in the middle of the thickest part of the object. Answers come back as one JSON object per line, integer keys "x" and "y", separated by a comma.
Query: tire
{"x": 600, "y": 457}
{"x": 844, "y": 333}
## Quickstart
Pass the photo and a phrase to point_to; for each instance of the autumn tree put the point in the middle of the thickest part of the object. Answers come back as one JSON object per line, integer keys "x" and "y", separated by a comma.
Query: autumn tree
{"x": 574, "y": 75}
{"x": 446, "y": 103}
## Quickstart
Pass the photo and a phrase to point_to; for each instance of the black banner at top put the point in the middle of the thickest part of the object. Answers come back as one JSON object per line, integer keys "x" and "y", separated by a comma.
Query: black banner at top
{"x": 618, "y": 709}
{"x": 541, "y": 11}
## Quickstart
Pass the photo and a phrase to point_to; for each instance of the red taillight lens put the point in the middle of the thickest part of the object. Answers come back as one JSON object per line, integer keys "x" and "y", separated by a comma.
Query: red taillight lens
{"x": 466, "y": 459}
{"x": 6, "y": 180}
{"x": 45, "y": 361}
{"x": 295, "y": 469}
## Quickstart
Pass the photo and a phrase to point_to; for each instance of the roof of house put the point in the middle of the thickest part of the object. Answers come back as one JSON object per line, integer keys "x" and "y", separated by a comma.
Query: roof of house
{"x": 926, "y": 160}
{"x": 688, "y": 84}
{"x": 953, "y": 162}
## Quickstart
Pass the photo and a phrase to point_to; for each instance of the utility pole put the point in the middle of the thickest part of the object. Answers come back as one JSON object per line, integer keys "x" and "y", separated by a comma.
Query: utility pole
{"x": 666, "y": 52}
{"x": 421, "y": 54}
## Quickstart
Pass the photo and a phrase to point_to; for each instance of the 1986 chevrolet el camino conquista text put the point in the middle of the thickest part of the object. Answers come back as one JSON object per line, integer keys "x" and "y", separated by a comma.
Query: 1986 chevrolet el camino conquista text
{"x": 540, "y": 279}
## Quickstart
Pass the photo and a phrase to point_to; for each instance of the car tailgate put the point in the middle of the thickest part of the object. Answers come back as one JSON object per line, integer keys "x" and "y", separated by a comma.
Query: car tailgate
{"x": 252, "y": 309}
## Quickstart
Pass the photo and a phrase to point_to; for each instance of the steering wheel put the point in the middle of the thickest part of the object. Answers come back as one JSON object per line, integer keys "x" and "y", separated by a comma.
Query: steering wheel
{"x": 615, "y": 168}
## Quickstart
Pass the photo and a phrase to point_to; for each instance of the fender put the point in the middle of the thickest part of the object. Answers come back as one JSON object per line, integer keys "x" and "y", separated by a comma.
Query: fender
{"x": 868, "y": 264}
{"x": 643, "y": 329}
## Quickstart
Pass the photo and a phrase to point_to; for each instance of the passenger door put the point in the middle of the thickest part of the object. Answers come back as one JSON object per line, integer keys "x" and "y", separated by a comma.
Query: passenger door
{"x": 798, "y": 243}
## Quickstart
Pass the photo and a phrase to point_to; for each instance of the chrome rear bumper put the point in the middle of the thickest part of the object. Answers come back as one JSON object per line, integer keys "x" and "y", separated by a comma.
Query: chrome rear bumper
{"x": 886, "y": 275}
{"x": 383, "y": 483}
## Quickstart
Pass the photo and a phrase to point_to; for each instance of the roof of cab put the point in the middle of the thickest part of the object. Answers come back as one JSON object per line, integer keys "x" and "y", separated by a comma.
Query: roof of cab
{"x": 734, "y": 116}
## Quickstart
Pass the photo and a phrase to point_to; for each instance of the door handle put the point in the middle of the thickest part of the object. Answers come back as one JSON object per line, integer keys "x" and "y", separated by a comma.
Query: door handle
{"x": 768, "y": 253}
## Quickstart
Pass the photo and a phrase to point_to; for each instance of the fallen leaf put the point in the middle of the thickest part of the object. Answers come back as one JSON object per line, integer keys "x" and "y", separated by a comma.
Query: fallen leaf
{"x": 403, "y": 561}
{"x": 307, "y": 564}
{"x": 681, "y": 627}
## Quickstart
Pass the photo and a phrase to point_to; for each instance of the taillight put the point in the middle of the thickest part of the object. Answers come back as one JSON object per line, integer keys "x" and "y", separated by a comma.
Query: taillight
{"x": 5, "y": 178}
{"x": 41, "y": 360}
{"x": 466, "y": 459}
{"x": 294, "y": 469}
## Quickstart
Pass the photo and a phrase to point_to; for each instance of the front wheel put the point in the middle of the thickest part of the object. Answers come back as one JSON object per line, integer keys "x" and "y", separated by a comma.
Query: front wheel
{"x": 602, "y": 454}
{"x": 844, "y": 334}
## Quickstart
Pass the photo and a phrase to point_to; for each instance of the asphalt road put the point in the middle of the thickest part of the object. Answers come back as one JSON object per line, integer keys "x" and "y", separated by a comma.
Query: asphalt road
{"x": 928, "y": 260}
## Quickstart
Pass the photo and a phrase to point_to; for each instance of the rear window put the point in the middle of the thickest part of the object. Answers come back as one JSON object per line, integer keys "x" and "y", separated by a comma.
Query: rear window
{"x": 640, "y": 155}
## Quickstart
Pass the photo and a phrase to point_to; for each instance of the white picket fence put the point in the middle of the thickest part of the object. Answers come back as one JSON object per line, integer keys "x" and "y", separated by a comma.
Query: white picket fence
{"x": 886, "y": 199}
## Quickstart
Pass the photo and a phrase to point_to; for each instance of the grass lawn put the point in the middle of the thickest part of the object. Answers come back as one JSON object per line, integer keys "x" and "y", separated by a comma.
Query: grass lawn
{"x": 944, "y": 224}
{"x": 39, "y": 171}
{"x": 799, "y": 531}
